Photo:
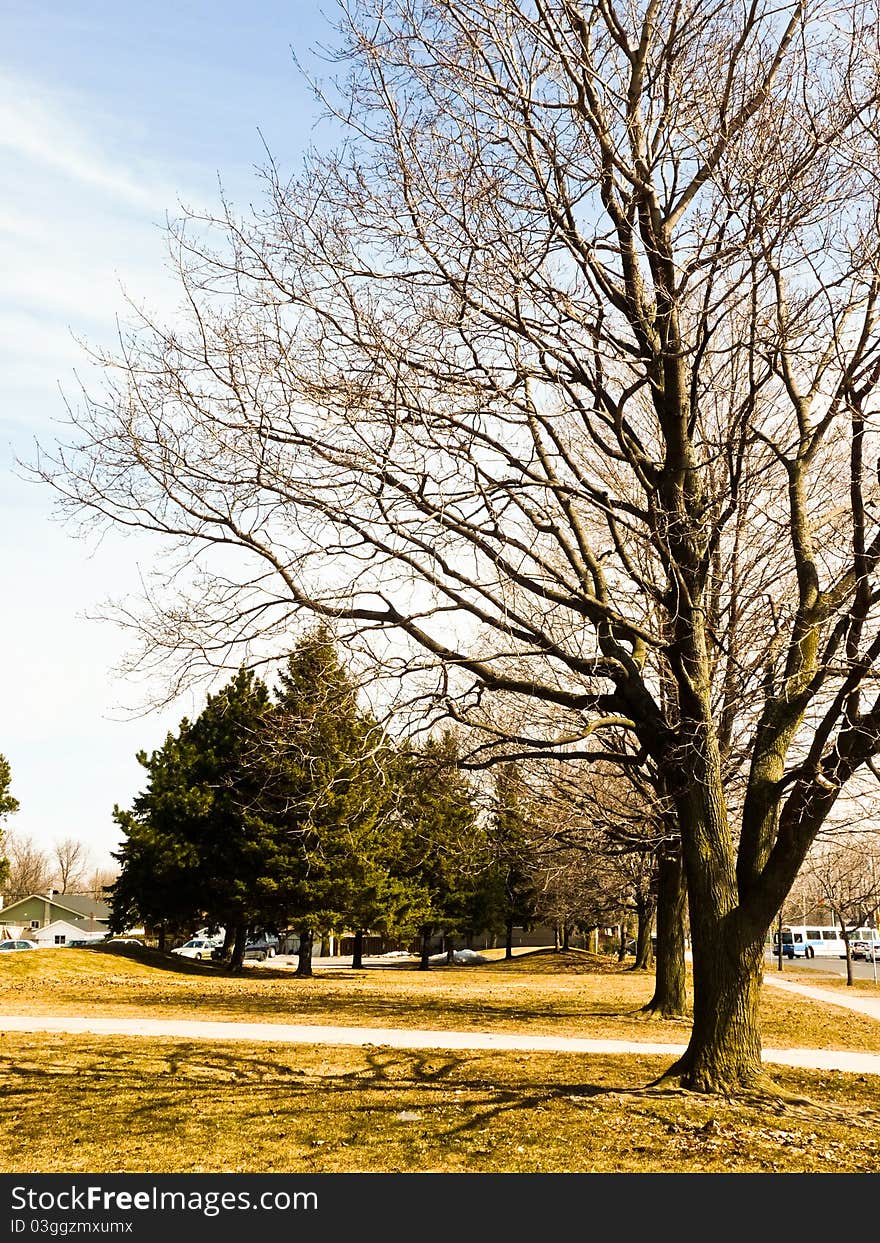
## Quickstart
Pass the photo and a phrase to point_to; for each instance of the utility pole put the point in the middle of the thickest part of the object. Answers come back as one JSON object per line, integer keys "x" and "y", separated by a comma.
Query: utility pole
{"x": 779, "y": 941}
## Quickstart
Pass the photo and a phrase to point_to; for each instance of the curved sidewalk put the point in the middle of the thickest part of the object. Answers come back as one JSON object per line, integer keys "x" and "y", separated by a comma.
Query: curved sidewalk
{"x": 411, "y": 1038}
{"x": 831, "y": 996}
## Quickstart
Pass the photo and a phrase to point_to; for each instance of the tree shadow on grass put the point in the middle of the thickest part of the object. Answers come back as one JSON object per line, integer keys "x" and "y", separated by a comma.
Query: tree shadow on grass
{"x": 144, "y": 1096}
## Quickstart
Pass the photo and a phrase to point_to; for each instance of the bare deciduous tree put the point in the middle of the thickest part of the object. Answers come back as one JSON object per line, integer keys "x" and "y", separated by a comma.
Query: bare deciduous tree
{"x": 582, "y": 318}
{"x": 71, "y": 859}
{"x": 99, "y": 882}
{"x": 30, "y": 868}
{"x": 847, "y": 876}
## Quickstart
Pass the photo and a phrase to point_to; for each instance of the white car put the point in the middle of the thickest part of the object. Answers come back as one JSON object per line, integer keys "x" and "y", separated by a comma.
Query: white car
{"x": 18, "y": 945}
{"x": 198, "y": 947}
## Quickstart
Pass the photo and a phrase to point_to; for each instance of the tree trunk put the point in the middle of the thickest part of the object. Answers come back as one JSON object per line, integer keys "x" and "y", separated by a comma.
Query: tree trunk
{"x": 508, "y": 939}
{"x": 556, "y": 937}
{"x": 425, "y": 958}
{"x": 724, "y": 1052}
{"x": 450, "y": 952}
{"x": 239, "y": 940}
{"x": 621, "y": 948}
{"x": 566, "y": 936}
{"x": 304, "y": 965}
{"x": 357, "y": 954}
{"x": 670, "y": 991}
{"x": 645, "y": 909}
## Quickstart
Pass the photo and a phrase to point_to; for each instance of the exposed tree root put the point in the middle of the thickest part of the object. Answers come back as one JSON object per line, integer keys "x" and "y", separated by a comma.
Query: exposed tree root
{"x": 758, "y": 1092}
{"x": 654, "y": 1010}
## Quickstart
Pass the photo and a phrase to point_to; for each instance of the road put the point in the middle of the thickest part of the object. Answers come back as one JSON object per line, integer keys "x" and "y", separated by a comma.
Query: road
{"x": 825, "y": 966}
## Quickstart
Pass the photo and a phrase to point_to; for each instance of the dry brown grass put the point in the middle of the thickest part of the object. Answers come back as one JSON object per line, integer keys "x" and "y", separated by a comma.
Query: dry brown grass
{"x": 573, "y": 994}
{"x": 168, "y": 1105}
{"x": 130, "y": 1105}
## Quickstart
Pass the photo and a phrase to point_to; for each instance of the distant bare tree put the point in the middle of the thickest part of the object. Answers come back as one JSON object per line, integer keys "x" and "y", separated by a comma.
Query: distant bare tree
{"x": 99, "y": 881}
{"x": 847, "y": 875}
{"x": 30, "y": 868}
{"x": 71, "y": 859}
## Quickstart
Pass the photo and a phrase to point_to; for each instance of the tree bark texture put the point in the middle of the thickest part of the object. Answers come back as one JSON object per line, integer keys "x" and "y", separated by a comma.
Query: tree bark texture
{"x": 425, "y": 955}
{"x": 357, "y": 956}
{"x": 239, "y": 940}
{"x": 645, "y": 909}
{"x": 670, "y": 991}
{"x": 304, "y": 965}
{"x": 724, "y": 1051}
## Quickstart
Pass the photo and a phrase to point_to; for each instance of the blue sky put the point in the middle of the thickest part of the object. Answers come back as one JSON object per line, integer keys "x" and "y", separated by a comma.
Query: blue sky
{"x": 111, "y": 114}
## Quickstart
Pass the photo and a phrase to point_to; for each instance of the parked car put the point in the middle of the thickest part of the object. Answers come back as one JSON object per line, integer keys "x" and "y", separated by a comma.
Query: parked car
{"x": 267, "y": 943}
{"x": 198, "y": 947}
{"x": 864, "y": 950}
{"x": 255, "y": 950}
{"x": 18, "y": 945}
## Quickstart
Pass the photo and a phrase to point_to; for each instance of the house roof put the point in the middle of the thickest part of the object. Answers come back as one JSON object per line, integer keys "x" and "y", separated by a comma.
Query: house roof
{"x": 58, "y": 926}
{"x": 83, "y": 905}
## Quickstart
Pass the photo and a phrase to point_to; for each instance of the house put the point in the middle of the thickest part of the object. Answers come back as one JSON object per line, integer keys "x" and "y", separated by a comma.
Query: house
{"x": 28, "y": 915}
{"x": 61, "y": 932}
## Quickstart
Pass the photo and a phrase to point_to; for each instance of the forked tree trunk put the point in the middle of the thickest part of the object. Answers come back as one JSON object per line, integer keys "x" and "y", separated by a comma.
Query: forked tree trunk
{"x": 670, "y": 988}
{"x": 357, "y": 953}
{"x": 304, "y": 965}
{"x": 508, "y": 939}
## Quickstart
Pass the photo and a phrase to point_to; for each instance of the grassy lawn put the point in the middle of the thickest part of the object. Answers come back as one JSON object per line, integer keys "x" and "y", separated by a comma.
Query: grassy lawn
{"x": 573, "y": 994}
{"x": 819, "y": 980}
{"x": 124, "y": 1104}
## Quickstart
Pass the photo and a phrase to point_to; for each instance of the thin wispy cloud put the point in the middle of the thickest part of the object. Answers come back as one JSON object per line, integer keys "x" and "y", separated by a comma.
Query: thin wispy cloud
{"x": 39, "y": 129}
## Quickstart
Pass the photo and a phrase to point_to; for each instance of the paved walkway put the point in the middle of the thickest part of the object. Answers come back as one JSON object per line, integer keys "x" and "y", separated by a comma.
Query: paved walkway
{"x": 848, "y": 999}
{"x": 411, "y": 1038}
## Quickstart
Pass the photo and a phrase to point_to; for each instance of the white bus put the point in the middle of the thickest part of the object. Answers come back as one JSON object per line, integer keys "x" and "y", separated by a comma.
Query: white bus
{"x": 810, "y": 941}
